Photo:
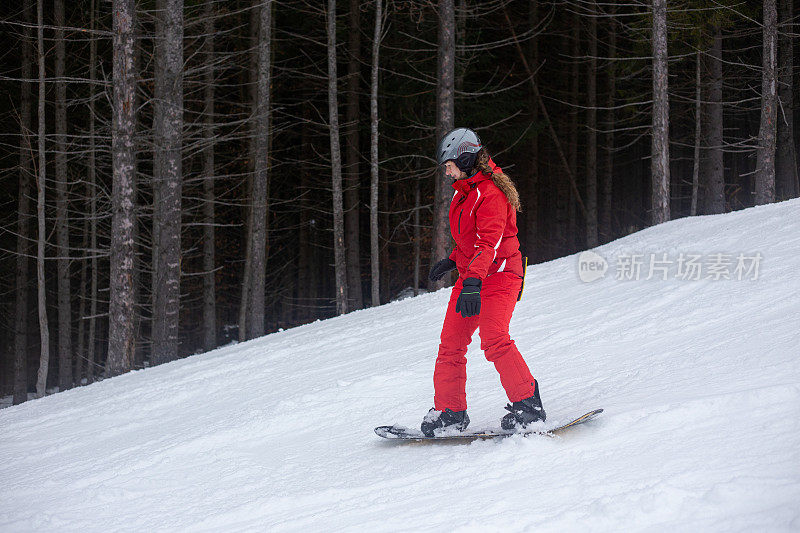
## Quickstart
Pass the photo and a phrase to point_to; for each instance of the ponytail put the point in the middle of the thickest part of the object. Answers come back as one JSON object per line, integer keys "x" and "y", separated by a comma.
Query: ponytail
{"x": 499, "y": 178}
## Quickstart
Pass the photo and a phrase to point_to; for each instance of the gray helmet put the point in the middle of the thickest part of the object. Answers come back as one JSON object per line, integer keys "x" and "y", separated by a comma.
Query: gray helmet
{"x": 461, "y": 146}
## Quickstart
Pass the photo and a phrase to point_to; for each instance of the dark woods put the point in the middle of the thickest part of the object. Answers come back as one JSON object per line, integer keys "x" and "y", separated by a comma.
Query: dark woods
{"x": 182, "y": 174}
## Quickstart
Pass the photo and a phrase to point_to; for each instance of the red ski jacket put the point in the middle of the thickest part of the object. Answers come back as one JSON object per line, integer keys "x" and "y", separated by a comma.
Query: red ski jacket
{"x": 484, "y": 226}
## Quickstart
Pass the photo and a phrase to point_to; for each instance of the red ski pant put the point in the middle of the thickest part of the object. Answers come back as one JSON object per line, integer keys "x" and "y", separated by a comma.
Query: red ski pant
{"x": 498, "y": 297}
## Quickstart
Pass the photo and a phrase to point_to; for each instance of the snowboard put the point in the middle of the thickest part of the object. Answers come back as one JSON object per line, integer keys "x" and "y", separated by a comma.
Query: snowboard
{"x": 406, "y": 434}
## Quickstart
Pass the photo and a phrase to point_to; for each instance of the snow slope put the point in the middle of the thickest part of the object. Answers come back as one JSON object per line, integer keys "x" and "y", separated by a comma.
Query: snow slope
{"x": 700, "y": 381}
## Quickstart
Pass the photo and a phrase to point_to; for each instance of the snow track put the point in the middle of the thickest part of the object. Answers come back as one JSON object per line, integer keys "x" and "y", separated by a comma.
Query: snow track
{"x": 700, "y": 382}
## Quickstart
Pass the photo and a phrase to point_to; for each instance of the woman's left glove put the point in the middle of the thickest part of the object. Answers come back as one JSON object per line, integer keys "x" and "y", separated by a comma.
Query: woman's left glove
{"x": 469, "y": 301}
{"x": 441, "y": 268}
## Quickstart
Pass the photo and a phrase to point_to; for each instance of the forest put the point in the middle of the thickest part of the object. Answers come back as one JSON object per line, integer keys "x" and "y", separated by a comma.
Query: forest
{"x": 178, "y": 175}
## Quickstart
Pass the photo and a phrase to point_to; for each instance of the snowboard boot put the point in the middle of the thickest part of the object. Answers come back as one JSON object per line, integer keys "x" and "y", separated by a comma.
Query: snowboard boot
{"x": 444, "y": 420}
{"x": 524, "y": 412}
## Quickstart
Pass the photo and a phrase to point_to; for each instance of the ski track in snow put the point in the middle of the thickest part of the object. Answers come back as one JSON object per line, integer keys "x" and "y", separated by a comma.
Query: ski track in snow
{"x": 700, "y": 382}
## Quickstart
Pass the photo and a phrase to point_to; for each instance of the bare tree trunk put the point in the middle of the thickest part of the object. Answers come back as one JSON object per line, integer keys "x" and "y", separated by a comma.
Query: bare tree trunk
{"x": 461, "y": 14}
{"x": 168, "y": 124}
{"x": 714, "y": 171}
{"x": 575, "y": 81}
{"x": 591, "y": 141}
{"x": 417, "y": 236}
{"x": 306, "y": 290}
{"x": 139, "y": 147}
{"x": 140, "y": 348}
{"x": 445, "y": 116}
{"x": 247, "y": 273}
{"x": 304, "y": 254}
{"x": 62, "y": 227}
{"x": 82, "y": 365}
{"x": 122, "y": 310}
{"x": 384, "y": 201}
{"x": 698, "y": 125}
{"x": 374, "y": 161}
{"x": 659, "y": 164}
{"x": 531, "y": 211}
{"x": 285, "y": 316}
{"x": 91, "y": 340}
{"x": 336, "y": 166}
{"x": 385, "y": 218}
{"x": 80, "y": 350}
{"x": 23, "y": 214}
{"x": 559, "y": 234}
{"x": 258, "y": 259}
{"x": 91, "y": 187}
{"x": 611, "y": 92}
{"x": 352, "y": 153}
{"x": 209, "y": 295}
{"x": 90, "y": 193}
{"x": 786, "y": 175}
{"x": 765, "y": 157}
{"x": 41, "y": 179}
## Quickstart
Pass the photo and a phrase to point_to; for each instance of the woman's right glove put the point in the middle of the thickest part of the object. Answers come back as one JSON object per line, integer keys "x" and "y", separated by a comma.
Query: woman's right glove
{"x": 469, "y": 301}
{"x": 441, "y": 268}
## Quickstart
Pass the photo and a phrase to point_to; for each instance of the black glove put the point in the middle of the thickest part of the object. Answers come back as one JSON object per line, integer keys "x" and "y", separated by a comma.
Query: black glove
{"x": 469, "y": 301}
{"x": 441, "y": 268}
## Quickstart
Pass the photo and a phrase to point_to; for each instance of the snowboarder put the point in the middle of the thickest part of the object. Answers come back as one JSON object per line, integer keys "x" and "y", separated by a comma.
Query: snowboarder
{"x": 483, "y": 222}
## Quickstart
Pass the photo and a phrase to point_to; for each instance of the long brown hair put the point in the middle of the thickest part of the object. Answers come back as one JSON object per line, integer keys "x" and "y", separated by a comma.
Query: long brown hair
{"x": 500, "y": 179}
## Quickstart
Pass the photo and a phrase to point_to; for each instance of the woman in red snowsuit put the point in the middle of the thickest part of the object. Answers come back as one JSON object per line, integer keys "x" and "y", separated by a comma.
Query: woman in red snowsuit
{"x": 483, "y": 222}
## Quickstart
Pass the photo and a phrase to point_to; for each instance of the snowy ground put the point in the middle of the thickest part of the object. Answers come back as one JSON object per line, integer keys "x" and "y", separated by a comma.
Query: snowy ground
{"x": 699, "y": 379}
